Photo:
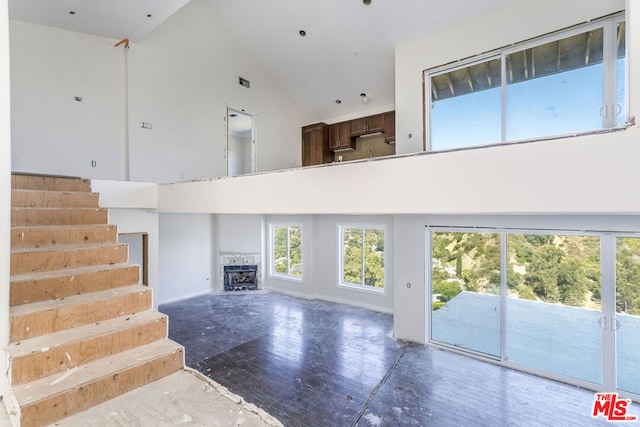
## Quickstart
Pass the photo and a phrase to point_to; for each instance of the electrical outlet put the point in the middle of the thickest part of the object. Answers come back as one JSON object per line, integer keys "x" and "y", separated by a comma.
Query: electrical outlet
{"x": 145, "y": 125}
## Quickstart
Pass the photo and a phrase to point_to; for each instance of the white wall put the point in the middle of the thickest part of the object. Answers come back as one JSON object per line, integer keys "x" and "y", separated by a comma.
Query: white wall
{"x": 182, "y": 78}
{"x": 51, "y": 132}
{"x": 320, "y": 277}
{"x": 187, "y": 248}
{"x": 5, "y": 190}
{"x": 477, "y": 35}
{"x": 326, "y": 268}
{"x": 239, "y": 233}
{"x": 591, "y": 174}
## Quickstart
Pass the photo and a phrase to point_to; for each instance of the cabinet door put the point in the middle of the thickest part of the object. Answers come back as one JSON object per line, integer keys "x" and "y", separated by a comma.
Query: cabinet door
{"x": 340, "y": 136}
{"x": 307, "y": 148}
{"x": 344, "y": 130}
{"x": 375, "y": 123}
{"x": 315, "y": 145}
{"x": 390, "y": 126}
{"x": 334, "y": 136}
{"x": 358, "y": 126}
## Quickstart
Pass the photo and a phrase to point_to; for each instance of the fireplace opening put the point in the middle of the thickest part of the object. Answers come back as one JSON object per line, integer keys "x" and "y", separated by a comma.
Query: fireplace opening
{"x": 240, "y": 277}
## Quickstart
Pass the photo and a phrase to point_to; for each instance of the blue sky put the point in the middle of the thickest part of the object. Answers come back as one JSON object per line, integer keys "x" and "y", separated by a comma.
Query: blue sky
{"x": 555, "y": 104}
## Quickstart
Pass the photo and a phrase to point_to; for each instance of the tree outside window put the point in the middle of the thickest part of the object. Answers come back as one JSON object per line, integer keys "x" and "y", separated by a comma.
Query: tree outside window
{"x": 286, "y": 250}
{"x": 363, "y": 257}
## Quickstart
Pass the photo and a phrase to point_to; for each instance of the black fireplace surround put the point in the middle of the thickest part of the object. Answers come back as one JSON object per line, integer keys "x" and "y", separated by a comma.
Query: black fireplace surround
{"x": 240, "y": 277}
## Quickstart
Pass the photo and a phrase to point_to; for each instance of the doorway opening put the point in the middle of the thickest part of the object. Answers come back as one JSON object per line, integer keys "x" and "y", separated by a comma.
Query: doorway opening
{"x": 138, "y": 253}
{"x": 241, "y": 143}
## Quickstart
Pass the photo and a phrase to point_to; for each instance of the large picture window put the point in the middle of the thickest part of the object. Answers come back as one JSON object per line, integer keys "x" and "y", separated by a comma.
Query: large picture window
{"x": 362, "y": 257}
{"x": 286, "y": 250}
{"x": 567, "y": 83}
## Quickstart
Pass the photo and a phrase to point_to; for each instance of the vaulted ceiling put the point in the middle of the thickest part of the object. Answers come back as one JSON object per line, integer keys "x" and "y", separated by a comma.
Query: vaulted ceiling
{"x": 348, "y": 48}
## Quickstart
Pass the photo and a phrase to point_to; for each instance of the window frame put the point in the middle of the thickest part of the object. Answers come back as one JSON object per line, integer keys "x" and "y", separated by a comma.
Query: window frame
{"x": 609, "y": 26}
{"x": 340, "y": 252}
{"x": 288, "y": 275}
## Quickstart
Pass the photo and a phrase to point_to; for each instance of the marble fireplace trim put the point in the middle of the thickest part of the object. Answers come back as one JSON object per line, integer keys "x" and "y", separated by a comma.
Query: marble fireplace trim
{"x": 237, "y": 258}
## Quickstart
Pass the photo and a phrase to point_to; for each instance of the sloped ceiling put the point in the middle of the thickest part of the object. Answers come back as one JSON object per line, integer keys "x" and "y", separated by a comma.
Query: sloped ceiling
{"x": 348, "y": 48}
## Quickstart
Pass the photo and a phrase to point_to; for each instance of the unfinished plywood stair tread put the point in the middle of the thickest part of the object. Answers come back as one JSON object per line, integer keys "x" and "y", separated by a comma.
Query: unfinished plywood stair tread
{"x": 58, "y": 216}
{"x": 78, "y": 271}
{"x": 53, "y": 199}
{"x": 49, "y": 183}
{"x": 34, "y": 260}
{"x": 56, "y": 235}
{"x": 44, "y": 317}
{"x": 45, "y": 355}
{"x": 57, "y": 396}
{"x": 47, "y": 285}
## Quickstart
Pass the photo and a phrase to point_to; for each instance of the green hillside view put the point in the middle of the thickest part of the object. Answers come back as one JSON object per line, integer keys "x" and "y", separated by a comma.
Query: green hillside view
{"x": 548, "y": 268}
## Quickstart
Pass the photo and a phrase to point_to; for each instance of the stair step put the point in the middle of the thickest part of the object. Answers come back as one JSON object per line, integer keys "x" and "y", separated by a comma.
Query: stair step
{"x": 35, "y": 237}
{"x": 50, "y": 354}
{"x": 49, "y": 183}
{"x": 45, "y": 317}
{"x": 58, "y": 216}
{"x": 52, "y": 398}
{"x": 33, "y": 287}
{"x": 35, "y": 260}
{"x": 53, "y": 199}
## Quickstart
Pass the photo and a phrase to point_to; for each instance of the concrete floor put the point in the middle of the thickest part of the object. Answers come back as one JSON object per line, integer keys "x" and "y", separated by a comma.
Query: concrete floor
{"x": 183, "y": 398}
{"x": 313, "y": 363}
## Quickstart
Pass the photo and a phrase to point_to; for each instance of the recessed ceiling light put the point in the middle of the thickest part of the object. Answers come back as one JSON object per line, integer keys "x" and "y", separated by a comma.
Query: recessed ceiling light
{"x": 366, "y": 2}
{"x": 72, "y": 12}
{"x": 302, "y": 33}
{"x": 338, "y": 101}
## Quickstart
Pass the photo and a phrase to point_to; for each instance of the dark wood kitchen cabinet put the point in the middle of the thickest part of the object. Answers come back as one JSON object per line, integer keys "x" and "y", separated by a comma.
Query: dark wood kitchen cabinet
{"x": 340, "y": 137}
{"x": 366, "y": 125}
{"x": 315, "y": 144}
{"x": 390, "y": 127}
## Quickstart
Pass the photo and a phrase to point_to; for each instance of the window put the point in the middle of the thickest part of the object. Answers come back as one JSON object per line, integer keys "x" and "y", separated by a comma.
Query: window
{"x": 570, "y": 82}
{"x": 362, "y": 257}
{"x": 286, "y": 251}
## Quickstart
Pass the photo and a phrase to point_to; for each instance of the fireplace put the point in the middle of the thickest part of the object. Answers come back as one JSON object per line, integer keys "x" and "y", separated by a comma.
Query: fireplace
{"x": 240, "y": 277}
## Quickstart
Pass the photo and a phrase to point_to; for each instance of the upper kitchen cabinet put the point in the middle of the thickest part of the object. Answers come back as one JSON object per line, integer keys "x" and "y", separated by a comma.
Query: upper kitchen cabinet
{"x": 340, "y": 137}
{"x": 390, "y": 127}
{"x": 366, "y": 125}
{"x": 315, "y": 144}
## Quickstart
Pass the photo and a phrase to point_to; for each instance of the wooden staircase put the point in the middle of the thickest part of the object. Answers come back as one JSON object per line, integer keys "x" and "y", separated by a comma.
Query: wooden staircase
{"x": 82, "y": 330}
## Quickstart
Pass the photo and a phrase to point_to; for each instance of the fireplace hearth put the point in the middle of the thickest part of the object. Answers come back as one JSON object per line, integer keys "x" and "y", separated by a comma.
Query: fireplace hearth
{"x": 240, "y": 277}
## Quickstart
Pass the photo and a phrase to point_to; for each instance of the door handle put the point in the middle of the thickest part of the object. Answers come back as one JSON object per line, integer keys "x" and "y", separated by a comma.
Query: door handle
{"x": 602, "y": 322}
{"x": 604, "y": 111}
{"x": 615, "y": 325}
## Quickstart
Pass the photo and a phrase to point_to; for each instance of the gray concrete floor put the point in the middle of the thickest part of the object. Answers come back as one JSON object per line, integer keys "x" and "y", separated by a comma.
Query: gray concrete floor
{"x": 185, "y": 398}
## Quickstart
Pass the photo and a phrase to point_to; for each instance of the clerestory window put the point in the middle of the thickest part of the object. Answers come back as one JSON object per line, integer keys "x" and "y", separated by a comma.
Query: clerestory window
{"x": 567, "y": 83}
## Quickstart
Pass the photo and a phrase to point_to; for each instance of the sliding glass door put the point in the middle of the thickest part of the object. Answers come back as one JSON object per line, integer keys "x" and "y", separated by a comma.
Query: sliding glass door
{"x": 465, "y": 301}
{"x": 560, "y": 303}
{"x": 553, "y": 304}
{"x": 627, "y": 324}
